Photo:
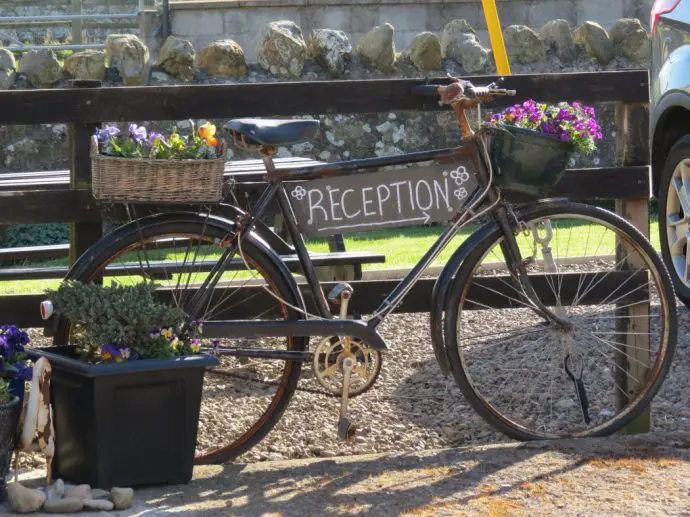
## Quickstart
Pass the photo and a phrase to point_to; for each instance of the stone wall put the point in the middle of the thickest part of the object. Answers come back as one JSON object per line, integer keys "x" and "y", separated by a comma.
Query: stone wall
{"x": 204, "y": 21}
{"x": 283, "y": 54}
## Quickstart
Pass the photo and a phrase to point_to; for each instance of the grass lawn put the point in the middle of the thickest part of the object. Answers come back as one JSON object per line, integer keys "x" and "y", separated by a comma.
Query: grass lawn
{"x": 402, "y": 247}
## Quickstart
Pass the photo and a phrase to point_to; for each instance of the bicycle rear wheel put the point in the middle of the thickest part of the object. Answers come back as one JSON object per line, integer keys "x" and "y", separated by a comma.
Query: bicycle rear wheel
{"x": 534, "y": 380}
{"x": 243, "y": 398}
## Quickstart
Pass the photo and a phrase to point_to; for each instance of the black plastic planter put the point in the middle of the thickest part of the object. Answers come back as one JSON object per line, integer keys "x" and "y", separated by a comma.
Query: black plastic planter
{"x": 9, "y": 417}
{"x": 128, "y": 424}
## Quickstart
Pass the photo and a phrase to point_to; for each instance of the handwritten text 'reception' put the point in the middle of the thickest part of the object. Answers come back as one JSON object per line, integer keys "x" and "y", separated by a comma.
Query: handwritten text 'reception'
{"x": 383, "y": 199}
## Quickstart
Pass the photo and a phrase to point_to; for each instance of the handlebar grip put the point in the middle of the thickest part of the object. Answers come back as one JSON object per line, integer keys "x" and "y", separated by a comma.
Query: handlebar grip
{"x": 425, "y": 89}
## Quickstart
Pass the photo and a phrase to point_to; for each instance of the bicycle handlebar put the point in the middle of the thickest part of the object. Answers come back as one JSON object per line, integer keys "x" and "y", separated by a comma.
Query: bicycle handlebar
{"x": 470, "y": 91}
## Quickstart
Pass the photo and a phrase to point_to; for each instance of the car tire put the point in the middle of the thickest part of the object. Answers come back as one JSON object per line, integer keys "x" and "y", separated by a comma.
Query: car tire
{"x": 675, "y": 246}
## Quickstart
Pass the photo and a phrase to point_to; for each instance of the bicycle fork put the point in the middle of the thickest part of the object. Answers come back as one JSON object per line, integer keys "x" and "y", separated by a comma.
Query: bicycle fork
{"x": 518, "y": 269}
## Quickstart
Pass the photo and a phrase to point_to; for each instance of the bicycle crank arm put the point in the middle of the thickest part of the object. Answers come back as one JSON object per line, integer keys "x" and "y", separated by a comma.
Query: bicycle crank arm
{"x": 299, "y": 328}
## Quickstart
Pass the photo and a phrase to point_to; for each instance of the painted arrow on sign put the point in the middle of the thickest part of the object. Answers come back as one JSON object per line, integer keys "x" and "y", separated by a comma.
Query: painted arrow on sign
{"x": 384, "y": 199}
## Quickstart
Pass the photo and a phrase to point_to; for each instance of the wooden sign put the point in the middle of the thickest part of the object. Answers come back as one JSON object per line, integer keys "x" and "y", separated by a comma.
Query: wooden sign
{"x": 384, "y": 199}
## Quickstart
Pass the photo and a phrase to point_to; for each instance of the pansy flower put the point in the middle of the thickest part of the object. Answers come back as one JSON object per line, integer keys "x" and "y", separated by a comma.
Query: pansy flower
{"x": 208, "y": 132}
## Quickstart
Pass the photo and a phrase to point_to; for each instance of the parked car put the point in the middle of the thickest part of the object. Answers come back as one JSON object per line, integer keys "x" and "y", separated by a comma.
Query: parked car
{"x": 670, "y": 135}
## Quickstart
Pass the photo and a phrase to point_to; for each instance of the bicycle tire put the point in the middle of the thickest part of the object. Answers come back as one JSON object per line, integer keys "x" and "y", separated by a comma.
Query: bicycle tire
{"x": 125, "y": 238}
{"x": 458, "y": 291}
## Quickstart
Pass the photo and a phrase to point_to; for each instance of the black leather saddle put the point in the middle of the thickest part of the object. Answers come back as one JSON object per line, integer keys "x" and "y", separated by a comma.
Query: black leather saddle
{"x": 261, "y": 131}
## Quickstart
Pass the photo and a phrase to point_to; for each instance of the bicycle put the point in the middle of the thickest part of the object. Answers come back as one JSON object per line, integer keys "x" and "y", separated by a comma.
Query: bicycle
{"x": 548, "y": 298}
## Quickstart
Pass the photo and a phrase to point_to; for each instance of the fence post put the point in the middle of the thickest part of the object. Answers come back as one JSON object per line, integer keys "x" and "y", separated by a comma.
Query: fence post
{"x": 632, "y": 148}
{"x": 82, "y": 235}
{"x": 77, "y": 25}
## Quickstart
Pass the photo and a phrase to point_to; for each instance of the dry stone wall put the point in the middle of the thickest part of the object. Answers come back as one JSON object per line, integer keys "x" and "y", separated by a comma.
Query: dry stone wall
{"x": 287, "y": 53}
{"x": 202, "y": 22}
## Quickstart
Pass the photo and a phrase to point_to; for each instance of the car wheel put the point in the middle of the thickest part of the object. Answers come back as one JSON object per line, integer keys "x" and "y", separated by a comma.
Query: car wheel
{"x": 674, "y": 217}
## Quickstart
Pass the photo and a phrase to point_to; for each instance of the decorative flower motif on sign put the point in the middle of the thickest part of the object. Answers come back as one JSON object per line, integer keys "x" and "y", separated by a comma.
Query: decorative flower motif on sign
{"x": 299, "y": 193}
{"x": 460, "y": 193}
{"x": 460, "y": 175}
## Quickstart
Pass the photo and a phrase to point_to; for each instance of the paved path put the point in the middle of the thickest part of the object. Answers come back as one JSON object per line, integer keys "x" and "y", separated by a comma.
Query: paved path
{"x": 636, "y": 475}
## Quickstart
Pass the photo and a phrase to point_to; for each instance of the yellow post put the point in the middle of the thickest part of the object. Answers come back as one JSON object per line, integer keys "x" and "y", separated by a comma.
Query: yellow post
{"x": 496, "y": 36}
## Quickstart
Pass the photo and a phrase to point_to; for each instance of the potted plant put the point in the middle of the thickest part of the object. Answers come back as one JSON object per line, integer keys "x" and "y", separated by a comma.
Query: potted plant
{"x": 139, "y": 165}
{"x": 10, "y": 409}
{"x": 126, "y": 393}
{"x": 532, "y": 152}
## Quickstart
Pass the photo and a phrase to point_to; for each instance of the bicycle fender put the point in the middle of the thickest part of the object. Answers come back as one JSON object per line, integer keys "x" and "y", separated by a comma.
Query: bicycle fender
{"x": 221, "y": 222}
{"x": 440, "y": 292}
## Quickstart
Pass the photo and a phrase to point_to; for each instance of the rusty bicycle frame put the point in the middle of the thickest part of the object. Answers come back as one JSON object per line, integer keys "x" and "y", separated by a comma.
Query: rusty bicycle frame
{"x": 460, "y": 95}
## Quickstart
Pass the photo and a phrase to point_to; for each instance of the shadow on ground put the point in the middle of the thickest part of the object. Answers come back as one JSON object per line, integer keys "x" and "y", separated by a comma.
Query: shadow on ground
{"x": 500, "y": 480}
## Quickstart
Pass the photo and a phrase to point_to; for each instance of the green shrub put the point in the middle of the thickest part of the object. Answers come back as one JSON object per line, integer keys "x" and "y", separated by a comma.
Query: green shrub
{"x": 116, "y": 315}
{"x": 19, "y": 235}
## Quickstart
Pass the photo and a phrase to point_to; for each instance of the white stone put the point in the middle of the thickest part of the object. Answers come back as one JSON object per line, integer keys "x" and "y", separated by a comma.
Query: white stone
{"x": 66, "y": 505}
{"x": 41, "y": 67}
{"x": 281, "y": 49}
{"x": 331, "y": 49}
{"x": 130, "y": 56}
{"x": 122, "y": 497}
{"x": 98, "y": 504}
{"x": 8, "y": 69}
{"x": 24, "y": 500}
{"x": 378, "y": 47}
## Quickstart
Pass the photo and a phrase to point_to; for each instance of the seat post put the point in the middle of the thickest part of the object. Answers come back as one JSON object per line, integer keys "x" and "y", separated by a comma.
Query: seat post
{"x": 267, "y": 154}
{"x": 279, "y": 225}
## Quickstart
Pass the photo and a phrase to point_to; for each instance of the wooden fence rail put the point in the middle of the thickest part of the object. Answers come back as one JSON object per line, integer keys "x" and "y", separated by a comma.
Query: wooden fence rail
{"x": 65, "y": 196}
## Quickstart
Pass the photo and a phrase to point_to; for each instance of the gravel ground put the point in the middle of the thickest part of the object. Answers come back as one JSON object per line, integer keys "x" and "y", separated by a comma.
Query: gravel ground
{"x": 412, "y": 407}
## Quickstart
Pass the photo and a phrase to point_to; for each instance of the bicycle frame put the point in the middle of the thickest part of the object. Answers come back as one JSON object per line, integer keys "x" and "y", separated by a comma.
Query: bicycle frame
{"x": 327, "y": 325}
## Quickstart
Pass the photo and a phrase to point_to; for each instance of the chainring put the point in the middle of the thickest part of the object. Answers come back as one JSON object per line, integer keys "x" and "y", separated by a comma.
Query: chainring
{"x": 328, "y": 360}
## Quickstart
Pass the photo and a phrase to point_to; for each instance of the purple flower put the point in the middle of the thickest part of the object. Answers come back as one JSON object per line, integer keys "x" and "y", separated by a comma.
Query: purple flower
{"x": 104, "y": 134}
{"x": 137, "y": 132}
{"x": 155, "y": 136}
{"x": 24, "y": 372}
{"x": 5, "y": 348}
{"x": 565, "y": 136}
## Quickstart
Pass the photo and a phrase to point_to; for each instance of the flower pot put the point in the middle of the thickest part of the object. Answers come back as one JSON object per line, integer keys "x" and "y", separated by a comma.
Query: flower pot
{"x": 124, "y": 424}
{"x": 527, "y": 161}
{"x": 9, "y": 418}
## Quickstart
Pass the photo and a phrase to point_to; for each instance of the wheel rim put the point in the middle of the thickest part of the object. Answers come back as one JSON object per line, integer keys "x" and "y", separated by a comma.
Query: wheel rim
{"x": 602, "y": 341}
{"x": 678, "y": 220}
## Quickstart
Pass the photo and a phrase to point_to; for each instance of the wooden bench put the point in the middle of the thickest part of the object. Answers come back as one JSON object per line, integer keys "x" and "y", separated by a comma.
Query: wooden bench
{"x": 338, "y": 264}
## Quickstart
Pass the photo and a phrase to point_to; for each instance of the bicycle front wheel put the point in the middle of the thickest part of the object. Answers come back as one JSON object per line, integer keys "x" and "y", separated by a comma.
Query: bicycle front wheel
{"x": 243, "y": 398}
{"x": 532, "y": 379}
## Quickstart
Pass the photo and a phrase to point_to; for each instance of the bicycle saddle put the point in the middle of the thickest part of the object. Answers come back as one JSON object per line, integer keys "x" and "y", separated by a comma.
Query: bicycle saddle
{"x": 274, "y": 132}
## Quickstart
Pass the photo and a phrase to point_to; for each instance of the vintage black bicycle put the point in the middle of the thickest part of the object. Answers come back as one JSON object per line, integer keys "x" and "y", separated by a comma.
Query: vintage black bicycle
{"x": 567, "y": 295}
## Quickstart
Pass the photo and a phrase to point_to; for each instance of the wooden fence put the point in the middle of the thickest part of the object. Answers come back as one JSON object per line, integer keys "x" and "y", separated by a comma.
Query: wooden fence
{"x": 65, "y": 196}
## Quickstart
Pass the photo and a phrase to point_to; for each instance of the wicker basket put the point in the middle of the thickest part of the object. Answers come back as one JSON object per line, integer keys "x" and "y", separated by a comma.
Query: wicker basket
{"x": 150, "y": 180}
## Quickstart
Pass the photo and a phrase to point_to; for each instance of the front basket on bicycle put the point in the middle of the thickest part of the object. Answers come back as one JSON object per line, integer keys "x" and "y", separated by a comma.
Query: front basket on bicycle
{"x": 528, "y": 161}
{"x": 151, "y": 180}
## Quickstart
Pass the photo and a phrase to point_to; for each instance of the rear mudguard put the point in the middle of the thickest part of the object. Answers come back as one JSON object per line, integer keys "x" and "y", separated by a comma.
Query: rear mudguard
{"x": 442, "y": 286}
